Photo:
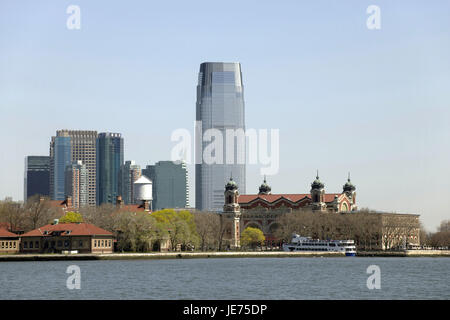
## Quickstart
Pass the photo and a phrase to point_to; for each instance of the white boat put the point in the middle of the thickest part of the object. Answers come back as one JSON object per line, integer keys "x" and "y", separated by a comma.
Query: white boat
{"x": 299, "y": 243}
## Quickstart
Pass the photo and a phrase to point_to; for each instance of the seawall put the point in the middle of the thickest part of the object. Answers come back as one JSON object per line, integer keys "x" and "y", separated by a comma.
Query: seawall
{"x": 164, "y": 255}
{"x": 203, "y": 255}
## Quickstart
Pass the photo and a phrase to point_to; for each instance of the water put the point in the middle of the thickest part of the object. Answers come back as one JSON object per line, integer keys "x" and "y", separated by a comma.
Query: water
{"x": 229, "y": 278}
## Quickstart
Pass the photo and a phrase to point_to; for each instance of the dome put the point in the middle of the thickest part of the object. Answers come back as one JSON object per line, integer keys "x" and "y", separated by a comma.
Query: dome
{"x": 348, "y": 186}
{"x": 264, "y": 188}
{"x": 231, "y": 185}
{"x": 317, "y": 184}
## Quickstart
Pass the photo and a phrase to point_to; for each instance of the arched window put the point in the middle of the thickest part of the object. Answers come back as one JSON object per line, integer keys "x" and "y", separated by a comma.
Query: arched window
{"x": 229, "y": 199}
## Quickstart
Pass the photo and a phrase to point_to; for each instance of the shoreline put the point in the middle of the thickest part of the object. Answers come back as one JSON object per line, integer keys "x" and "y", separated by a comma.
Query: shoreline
{"x": 206, "y": 255}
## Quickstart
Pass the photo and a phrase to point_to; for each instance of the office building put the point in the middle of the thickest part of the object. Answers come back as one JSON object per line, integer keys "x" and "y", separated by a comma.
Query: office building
{"x": 130, "y": 172}
{"x": 82, "y": 148}
{"x": 109, "y": 161}
{"x": 220, "y": 106}
{"x": 76, "y": 184}
{"x": 36, "y": 176}
{"x": 170, "y": 184}
{"x": 60, "y": 158}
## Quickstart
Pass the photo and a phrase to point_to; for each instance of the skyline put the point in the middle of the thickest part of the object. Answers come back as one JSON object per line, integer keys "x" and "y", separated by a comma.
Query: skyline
{"x": 345, "y": 98}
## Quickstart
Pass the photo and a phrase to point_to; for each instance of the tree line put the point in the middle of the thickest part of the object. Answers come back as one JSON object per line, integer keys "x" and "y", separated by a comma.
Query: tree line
{"x": 205, "y": 231}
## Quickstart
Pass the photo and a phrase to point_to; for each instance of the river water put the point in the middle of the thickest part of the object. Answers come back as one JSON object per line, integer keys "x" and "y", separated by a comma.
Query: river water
{"x": 229, "y": 278}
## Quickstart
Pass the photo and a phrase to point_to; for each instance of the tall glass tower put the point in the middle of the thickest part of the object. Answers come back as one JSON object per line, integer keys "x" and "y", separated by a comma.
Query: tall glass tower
{"x": 220, "y": 106}
{"x": 60, "y": 158}
{"x": 109, "y": 161}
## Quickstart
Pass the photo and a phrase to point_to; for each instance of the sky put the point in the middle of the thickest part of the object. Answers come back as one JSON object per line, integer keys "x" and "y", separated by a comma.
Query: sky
{"x": 375, "y": 103}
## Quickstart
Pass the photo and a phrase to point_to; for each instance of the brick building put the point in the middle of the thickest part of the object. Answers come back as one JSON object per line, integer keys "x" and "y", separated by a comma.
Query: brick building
{"x": 58, "y": 237}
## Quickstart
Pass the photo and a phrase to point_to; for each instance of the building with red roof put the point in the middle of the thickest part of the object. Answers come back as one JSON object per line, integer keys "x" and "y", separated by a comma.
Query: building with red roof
{"x": 59, "y": 237}
{"x": 9, "y": 242}
{"x": 263, "y": 209}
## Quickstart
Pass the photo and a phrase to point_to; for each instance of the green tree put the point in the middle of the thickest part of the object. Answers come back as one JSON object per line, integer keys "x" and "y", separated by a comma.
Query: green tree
{"x": 71, "y": 217}
{"x": 135, "y": 231}
{"x": 180, "y": 226}
{"x": 252, "y": 237}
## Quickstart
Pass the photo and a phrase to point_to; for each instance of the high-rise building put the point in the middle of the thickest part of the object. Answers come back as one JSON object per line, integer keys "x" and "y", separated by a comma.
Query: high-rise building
{"x": 109, "y": 161}
{"x": 130, "y": 172}
{"x": 60, "y": 158}
{"x": 36, "y": 176}
{"x": 82, "y": 148}
{"x": 170, "y": 184}
{"x": 76, "y": 184}
{"x": 220, "y": 106}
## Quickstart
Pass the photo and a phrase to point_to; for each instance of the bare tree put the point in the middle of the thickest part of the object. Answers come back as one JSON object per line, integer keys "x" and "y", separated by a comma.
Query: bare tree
{"x": 208, "y": 229}
{"x": 38, "y": 212}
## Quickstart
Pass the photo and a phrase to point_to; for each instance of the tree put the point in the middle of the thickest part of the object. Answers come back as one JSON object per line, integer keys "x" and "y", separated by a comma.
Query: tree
{"x": 71, "y": 217}
{"x": 13, "y": 213}
{"x": 208, "y": 229}
{"x": 104, "y": 216}
{"x": 38, "y": 212}
{"x": 441, "y": 238}
{"x": 180, "y": 225}
{"x": 252, "y": 237}
{"x": 135, "y": 231}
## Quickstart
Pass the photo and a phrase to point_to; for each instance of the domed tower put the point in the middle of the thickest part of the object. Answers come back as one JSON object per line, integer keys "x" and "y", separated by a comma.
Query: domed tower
{"x": 265, "y": 188}
{"x": 318, "y": 194}
{"x": 231, "y": 215}
{"x": 350, "y": 191}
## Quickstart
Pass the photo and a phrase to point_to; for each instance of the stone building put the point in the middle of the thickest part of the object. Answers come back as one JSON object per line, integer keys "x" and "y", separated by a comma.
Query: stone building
{"x": 262, "y": 210}
{"x": 398, "y": 230}
{"x": 58, "y": 237}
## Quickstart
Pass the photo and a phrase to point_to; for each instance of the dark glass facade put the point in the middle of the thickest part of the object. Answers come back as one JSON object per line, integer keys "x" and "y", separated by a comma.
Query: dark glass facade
{"x": 220, "y": 106}
{"x": 36, "y": 176}
{"x": 109, "y": 162}
{"x": 61, "y": 157}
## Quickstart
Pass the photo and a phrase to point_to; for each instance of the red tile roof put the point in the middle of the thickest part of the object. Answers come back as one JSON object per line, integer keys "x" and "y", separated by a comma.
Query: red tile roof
{"x": 246, "y": 198}
{"x": 76, "y": 229}
{"x": 6, "y": 234}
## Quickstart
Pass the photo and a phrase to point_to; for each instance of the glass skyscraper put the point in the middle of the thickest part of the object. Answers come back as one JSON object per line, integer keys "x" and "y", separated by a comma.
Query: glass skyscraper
{"x": 109, "y": 161}
{"x": 82, "y": 148}
{"x": 220, "y": 106}
{"x": 60, "y": 158}
{"x": 36, "y": 176}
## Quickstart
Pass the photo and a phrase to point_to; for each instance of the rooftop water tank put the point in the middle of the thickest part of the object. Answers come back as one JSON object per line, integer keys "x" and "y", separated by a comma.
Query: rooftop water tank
{"x": 143, "y": 189}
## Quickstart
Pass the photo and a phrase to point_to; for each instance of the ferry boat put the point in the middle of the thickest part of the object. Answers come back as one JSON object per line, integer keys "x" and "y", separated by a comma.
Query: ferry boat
{"x": 299, "y": 243}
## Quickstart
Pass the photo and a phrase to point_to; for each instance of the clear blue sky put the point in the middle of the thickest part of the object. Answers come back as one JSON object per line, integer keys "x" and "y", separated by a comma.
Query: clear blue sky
{"x": 345, "y": 98}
